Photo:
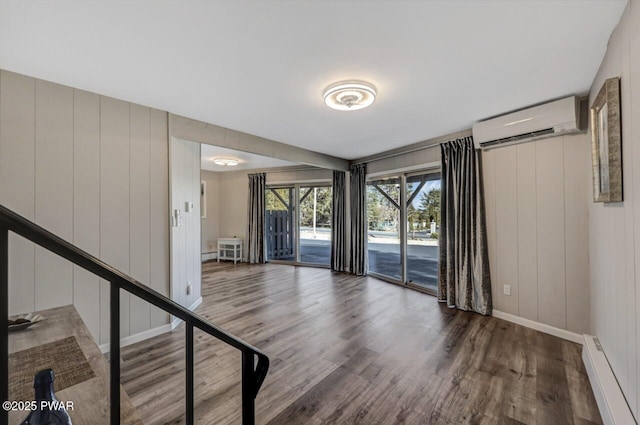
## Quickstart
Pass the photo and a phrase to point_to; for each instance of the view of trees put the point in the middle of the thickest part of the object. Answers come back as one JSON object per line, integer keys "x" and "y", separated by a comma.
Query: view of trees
{"x": 323, "y": 200}
{"x": 323, "y": 206}
{"x": 382, "y": 214}
{"x": 274, "y": 198}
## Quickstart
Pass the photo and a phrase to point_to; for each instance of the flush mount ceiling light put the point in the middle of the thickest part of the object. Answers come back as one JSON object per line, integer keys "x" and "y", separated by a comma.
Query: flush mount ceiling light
{"x": 349, "y": 95}
{"x": 225, "y": 162}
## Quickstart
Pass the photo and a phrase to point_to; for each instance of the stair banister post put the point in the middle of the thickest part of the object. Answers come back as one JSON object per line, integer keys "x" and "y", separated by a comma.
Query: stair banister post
{"x": 114, "y": 353}
{"x": 189, "y": 371}
{"x": 248, "y": 388}
{"x": 4, "y": 321}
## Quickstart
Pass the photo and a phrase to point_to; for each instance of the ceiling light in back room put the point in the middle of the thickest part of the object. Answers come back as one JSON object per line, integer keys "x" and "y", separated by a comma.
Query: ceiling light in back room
{"x": 349, "y": 95}
{"x": 225, "y": 162}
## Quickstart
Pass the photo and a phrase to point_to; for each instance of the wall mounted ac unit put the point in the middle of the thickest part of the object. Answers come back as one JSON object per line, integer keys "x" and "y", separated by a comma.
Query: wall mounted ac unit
{"x": 538, "y": 122}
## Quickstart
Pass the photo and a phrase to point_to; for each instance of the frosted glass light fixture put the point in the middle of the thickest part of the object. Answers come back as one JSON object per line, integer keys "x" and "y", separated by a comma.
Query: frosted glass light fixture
{"x": 349, "y": 95}
{"x": 225, "y": 162}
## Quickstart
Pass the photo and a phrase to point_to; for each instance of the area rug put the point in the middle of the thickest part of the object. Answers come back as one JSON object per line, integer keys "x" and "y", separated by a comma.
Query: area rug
{"x": 64, "y": 356}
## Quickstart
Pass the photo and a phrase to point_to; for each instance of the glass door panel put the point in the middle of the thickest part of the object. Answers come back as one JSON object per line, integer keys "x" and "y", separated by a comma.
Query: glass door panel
{"x": 423, "y": 225}
{"x": 383, "y": 216}
{"x": 315, "y": 224}
{"x": 280, "y": 224}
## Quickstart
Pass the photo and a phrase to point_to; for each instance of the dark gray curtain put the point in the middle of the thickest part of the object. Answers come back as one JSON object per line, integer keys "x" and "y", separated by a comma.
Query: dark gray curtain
{"x": 359, "y": 263}
{"x": 338, "y": 231}
{"x": 463, "y": 277}
{"x": 256, "y": 248}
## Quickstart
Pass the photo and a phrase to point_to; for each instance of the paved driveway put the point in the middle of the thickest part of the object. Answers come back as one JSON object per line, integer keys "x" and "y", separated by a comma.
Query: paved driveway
{"x": 384, "y": 259}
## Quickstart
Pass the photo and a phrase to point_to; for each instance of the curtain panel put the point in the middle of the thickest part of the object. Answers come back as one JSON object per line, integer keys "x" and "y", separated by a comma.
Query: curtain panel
{"x": 359, "y": 262}
{"x": 338, "y": 229}
{"x": 463, "y": 276}
{"x": 256, "y": 247}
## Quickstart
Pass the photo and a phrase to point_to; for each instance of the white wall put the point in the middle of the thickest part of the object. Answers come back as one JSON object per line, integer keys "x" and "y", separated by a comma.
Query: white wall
{"x": 211, "y": 224}
{"x": 94, "y": 171}
{"x": 184, "y": 157}
{"x": 614, "y": 239}
{"x": 536, "y": 197}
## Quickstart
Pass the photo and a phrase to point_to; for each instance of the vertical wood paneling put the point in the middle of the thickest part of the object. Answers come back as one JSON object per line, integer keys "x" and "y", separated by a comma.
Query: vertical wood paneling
{"x": 114, "y": 195}
{"x": 489, "y": 182}
{"x": 17, "y": 180}
{"x": 159, "y": 210}
{"x": 140, "y": 211}
{"x": 197, "y": 219}
{"x": 527, "y": 232}
{"x": 86, "y": 204}
{"x": 628, "y": 339}
{"x": 53, "y": 190}
{"x": 550, "y": 233}
{"x": 536, "y": 196}
{"x": 66, "y": 162}
{"x": 576, "y": 152}
{"x": 506, "y": 212}
{"x": 175, "y": 178}
{"x": 633, "y": 124}
{"x": 185, "y": 240}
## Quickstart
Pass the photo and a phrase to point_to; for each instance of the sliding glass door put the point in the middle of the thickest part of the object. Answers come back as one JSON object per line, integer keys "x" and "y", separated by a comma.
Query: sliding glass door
{"x": 403, "y": 213}
{"x": 298, "y": 224}
{"x": 280, "y": 223}
{"x": 315, "y": 224}
{"x": 383, "y": 216}
{"x": 423, "y": 225}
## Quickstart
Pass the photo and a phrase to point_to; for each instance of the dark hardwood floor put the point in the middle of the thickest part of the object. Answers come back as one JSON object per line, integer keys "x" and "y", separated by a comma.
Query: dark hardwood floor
{"x": 356, "y": 350}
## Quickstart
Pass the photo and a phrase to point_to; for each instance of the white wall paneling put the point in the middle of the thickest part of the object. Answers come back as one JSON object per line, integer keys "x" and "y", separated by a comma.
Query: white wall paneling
{"x": 527, "y": 232}
{"x": 552, "y": 293}
{"x": 54, "y": 190}
{"x": 614, "y": 240}
{"x": 158, "y": 206}
{"x": 506, "y": 219}
{"x": 17, "y": 180}
{"x": 535, "y": 199}
{"x": 115, "y": 195}
{"x": 185, "y": 233}
{"x": 86, "y": 203}
{"x": 94, "y": 171}
{"x": 139, "y": 210}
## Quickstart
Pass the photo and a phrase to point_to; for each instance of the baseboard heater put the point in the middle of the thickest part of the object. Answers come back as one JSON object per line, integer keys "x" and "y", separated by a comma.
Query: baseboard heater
{"x": 211, "y": 255}
{"x": 611, "y": 402}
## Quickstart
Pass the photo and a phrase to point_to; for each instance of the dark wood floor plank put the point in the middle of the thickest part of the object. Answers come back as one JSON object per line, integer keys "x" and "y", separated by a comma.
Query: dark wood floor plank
{"x": 355, "y": 350}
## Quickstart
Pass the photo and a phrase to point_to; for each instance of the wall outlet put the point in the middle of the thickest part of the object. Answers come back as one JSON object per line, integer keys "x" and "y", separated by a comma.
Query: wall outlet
{"x": 506, "y": 289}
{"x": 188, "y": 288}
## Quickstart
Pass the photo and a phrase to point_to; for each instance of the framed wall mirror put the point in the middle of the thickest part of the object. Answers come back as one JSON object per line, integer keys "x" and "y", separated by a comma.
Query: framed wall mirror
{"x": 606, "y": 143}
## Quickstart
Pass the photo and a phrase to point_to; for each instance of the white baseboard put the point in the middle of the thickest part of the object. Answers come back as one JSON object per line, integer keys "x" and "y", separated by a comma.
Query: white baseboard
{"x": 176, "y": 321}
{"x": 611, "y": 402}
{"x": 141, "y": 336}
{"x": 206, "y": 256}
{"x": 548, "y": 329}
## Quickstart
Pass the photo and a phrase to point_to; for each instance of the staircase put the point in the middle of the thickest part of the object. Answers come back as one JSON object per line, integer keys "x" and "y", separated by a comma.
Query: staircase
{"x": 255, "y": 364}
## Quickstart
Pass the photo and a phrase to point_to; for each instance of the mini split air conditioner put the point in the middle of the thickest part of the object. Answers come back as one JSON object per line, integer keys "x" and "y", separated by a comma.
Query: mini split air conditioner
{"x": 538, "y": 122}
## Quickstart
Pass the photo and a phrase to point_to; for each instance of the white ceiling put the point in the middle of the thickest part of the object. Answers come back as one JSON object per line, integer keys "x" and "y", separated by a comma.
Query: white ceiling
{"x": 261, "y": 66}
{"x": 246, "y": 161}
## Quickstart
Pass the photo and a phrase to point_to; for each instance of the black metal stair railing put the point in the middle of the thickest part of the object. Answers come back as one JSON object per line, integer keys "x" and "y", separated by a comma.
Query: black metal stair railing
{"x": 253, "y": 374}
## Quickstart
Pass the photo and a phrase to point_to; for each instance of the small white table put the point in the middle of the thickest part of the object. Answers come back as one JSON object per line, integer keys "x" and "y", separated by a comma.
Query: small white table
{"x": 230, "y": 249}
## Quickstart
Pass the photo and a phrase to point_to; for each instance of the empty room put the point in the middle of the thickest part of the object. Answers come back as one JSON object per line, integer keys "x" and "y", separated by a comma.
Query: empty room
{"x": 317, "y": 212}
